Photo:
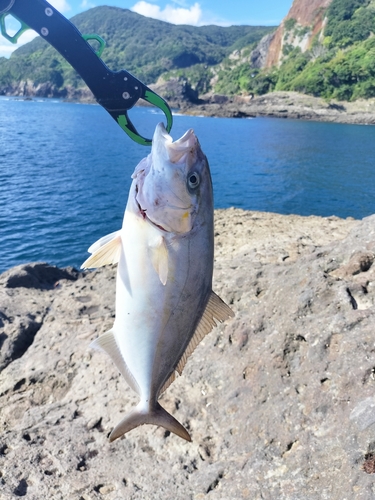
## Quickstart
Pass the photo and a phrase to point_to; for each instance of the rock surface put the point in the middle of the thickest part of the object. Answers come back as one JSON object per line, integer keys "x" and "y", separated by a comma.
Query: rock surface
{"x": 29, "y": 89}
{"x": 280, "y": 401}
{"x": 306, "y": 13}
{"x": 291, "y": 105}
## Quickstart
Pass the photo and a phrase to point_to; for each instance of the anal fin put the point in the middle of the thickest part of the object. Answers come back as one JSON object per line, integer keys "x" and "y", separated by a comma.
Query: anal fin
{"x": 108, "y": 344}
{"x": 216, "y": 311}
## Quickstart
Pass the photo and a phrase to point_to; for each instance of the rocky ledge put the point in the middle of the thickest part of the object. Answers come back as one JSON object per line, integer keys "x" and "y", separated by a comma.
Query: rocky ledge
{"x": 286, "y": 105}
{"x": 279, "y": 401}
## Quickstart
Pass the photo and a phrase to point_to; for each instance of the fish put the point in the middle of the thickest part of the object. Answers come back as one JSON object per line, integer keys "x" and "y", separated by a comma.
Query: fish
{"x": 165, "y": 253}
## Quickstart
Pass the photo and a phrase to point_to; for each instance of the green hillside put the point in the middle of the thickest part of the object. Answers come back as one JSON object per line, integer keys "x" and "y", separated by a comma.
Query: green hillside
{"x": 340, "y": 62}
{"x": 146, "y": 47}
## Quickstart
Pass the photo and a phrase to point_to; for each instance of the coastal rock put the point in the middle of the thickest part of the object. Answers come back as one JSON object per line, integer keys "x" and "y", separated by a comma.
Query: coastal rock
{"x": 29, "y": 89}
{"x": 177, "y": 92}
{"x": 291, "y": 105}
{"x": 279, "y": 401}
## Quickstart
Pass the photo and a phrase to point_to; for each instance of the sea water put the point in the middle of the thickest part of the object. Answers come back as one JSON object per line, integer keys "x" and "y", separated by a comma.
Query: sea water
{"x": 65, "y": 172}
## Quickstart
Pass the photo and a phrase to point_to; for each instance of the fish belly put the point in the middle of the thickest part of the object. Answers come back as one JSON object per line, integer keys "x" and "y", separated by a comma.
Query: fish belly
{"x": 154, "y": 322}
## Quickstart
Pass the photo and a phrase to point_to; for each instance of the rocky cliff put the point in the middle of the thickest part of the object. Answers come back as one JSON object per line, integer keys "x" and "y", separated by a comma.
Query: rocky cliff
{"x": 304, "y": 20}
{"x": 279, "y": 401}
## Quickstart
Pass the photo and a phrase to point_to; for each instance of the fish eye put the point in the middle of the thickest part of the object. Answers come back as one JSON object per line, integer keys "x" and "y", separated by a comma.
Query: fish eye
{"x": 193, "y": 180}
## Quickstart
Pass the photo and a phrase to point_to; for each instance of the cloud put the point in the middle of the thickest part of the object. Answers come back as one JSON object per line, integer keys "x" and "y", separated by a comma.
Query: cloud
{"x": 60, "y": 5}
{"x": 86, "y": 4}
{"x": 6, "y": 48}
{"x": 174, "y": 15}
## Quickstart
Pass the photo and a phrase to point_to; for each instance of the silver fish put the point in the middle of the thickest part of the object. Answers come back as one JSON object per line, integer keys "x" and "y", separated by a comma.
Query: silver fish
{"x": 164, "y": 299}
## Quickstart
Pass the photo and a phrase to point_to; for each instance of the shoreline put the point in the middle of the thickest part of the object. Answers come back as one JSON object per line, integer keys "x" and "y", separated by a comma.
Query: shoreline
{"x": 288, "y": 105}
{"x": 284, "y": 105}
{"x": 272, "y": 228}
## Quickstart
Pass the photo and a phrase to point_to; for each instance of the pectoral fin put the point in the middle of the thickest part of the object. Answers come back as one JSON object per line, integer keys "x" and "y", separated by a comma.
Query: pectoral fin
{"x": 216, "y": 311}
{"x": 108, "y": 344}
{"x": 105, "y": 251}
{"x": 159, "y": 258}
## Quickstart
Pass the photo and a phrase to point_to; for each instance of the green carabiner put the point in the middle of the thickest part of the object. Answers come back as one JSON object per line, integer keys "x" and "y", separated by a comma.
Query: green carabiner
{"x": 93, "y": 36}
{"x": 127, "y": 126}
{"x": 13, "y": 39}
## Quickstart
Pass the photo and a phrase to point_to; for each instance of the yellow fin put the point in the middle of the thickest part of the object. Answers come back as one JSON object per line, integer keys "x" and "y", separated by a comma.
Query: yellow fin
{"x": 159, "y": 258}
{"x": 105, "y": 251}
{"x": 108, "y": 344}
{"x": 216, "y": 311}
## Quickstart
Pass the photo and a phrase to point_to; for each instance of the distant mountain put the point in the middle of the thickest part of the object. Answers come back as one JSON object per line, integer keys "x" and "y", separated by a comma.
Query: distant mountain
{"x": 146, "y": 47}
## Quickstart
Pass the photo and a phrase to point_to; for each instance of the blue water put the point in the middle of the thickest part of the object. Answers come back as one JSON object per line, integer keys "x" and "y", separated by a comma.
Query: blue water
{"x": 65, "y": 172}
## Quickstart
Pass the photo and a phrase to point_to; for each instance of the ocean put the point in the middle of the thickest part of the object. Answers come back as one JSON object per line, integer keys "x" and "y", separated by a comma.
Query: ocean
{"x": 65, "y": 172}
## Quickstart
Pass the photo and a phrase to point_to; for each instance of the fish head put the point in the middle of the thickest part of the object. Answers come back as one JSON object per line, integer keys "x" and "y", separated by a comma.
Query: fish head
{"x": 173, "y": 184}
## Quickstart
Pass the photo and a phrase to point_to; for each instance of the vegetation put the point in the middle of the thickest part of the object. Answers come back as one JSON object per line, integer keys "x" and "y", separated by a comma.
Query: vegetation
{"x": 341, "y": 66}
{"x": 345, "y": 68}
{"x": 340, "y": 62}
{"x": 146, "y": 47}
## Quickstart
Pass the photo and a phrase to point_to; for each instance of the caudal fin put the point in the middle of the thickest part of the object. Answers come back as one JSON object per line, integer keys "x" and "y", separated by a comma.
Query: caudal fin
{"x": 157, "y": 416}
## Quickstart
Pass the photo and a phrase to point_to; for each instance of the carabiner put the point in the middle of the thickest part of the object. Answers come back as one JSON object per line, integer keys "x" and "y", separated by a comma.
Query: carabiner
{"x": 124, "y": 121}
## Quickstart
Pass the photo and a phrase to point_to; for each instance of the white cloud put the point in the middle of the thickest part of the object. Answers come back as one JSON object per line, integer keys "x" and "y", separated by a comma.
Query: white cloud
{"x": 60, "y": 5}
{"x": 86, "y": 4}
{"x": 174, "y": 15}
{"x": 6, "y": 48}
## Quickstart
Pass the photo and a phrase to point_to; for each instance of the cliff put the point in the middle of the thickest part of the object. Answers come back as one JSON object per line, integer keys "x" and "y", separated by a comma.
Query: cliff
{"x": 279, "y": 401}
{"x": 304, "y": 20}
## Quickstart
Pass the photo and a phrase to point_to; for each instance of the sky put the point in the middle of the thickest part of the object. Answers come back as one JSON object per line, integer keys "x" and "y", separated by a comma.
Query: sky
{"x": 196, "y": 13}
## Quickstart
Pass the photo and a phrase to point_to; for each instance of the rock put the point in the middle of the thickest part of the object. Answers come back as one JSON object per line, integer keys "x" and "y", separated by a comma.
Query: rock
{"x": 288, "y": 105}
{"x": 28, "y": 89}
{"x": 310, "y": 14}
{"x": 258, "y": 56}
{"x": 177, "y": 92}
{"x": 279, "y": 401}
{"x": 36, "y": 275}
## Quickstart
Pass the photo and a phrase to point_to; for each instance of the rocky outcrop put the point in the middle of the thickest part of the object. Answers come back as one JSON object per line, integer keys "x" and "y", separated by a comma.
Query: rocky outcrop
{"x": 279, "y": 401}
{"x": 306, "y": 19}
{"x": 30, "y": 89}
{"x": 289, "y": 105}
{"x": 258, "y": 56}
{"x": 177, "y": 92}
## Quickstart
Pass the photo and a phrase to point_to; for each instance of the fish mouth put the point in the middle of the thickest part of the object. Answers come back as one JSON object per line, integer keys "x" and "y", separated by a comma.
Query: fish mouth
{"x": 143, "y": 213}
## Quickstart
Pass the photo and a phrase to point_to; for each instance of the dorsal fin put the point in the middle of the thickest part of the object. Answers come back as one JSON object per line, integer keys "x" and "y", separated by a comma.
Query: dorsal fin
{"x": 216, "y": 310}
{"x": 105, "y": 251}
{"x": 108, "y": 344}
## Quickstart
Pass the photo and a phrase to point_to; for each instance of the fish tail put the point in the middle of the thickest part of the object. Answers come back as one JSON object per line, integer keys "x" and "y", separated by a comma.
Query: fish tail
{"x": 155, "y": 416}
